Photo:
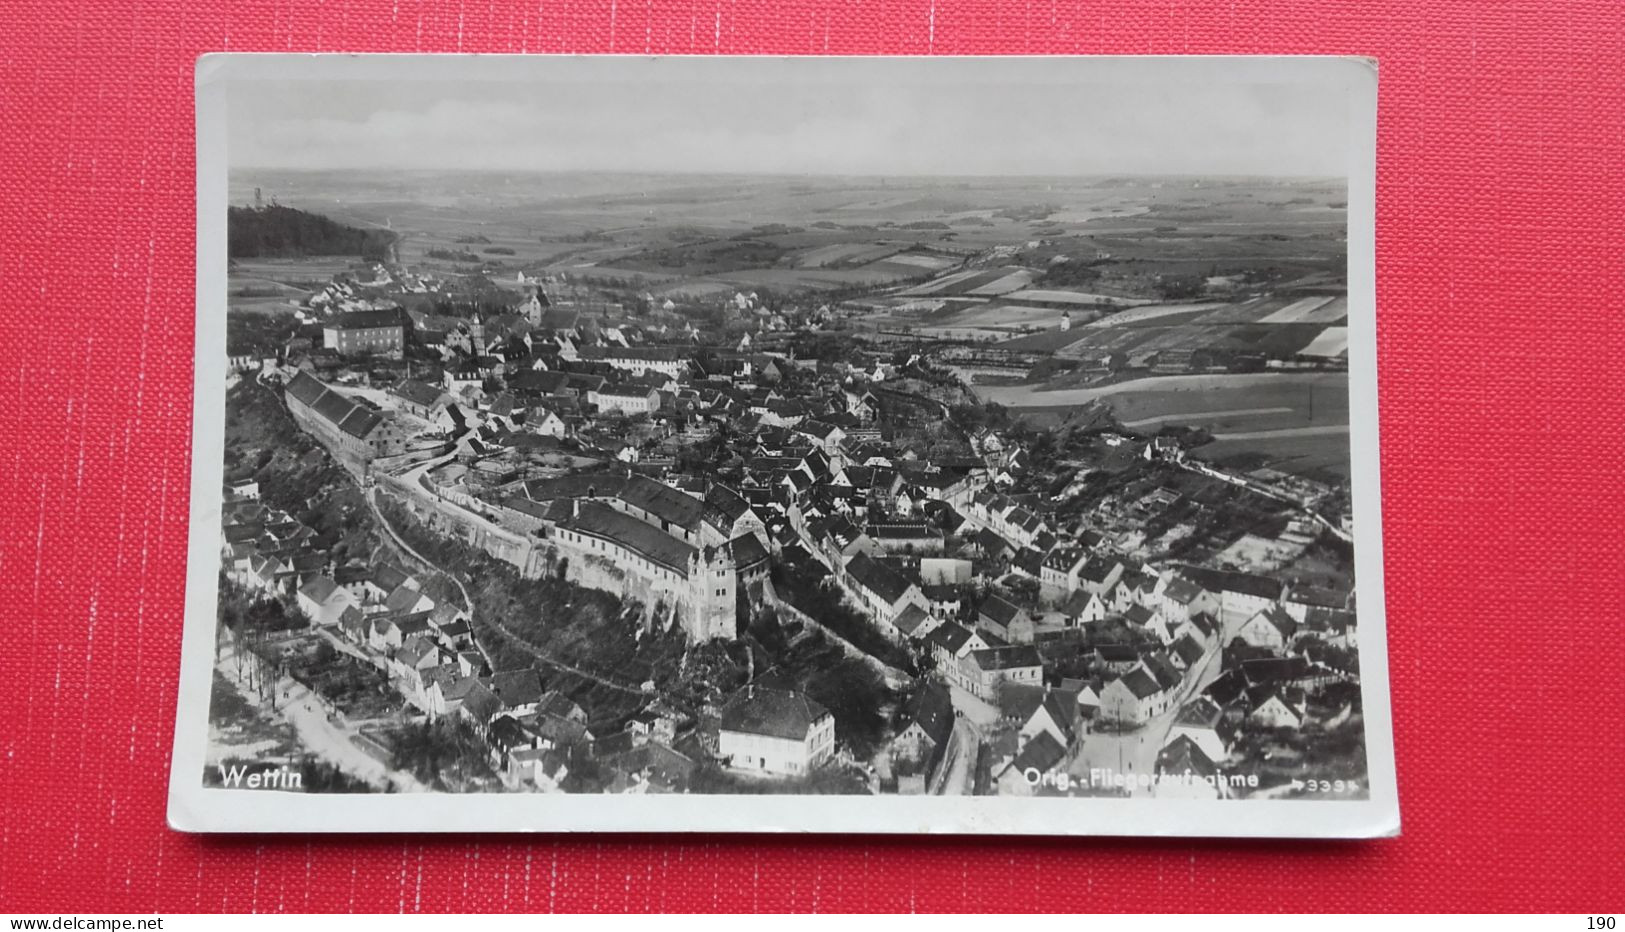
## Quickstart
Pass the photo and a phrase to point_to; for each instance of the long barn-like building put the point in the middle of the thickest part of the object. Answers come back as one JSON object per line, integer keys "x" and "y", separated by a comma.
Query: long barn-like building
{"x": 353, "y": 432}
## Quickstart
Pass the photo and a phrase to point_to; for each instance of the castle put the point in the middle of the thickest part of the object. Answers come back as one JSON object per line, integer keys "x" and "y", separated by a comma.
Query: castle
{"x": 689, "y": 560}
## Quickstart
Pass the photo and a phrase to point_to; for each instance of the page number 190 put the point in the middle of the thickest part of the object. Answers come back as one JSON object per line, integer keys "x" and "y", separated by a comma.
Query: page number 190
{"x": 1604, "y": 923}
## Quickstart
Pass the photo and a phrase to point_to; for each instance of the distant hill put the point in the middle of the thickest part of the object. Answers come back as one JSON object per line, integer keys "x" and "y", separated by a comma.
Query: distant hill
{"x": 286, "y": 233}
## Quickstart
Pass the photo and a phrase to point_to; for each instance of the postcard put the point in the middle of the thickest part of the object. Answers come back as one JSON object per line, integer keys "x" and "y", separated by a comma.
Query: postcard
{"x": 751, "y": 444}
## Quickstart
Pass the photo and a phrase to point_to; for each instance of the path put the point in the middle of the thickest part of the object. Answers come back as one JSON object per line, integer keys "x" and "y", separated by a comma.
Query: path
{"x": 468, "y": 603}
{"x": 1135, "y": 752}
{"x": 1316, "y": 431}
{"x": 1201, "y": 416}
{"x": 895, "y": 678}
{"x": 1033, "y": 396}
{"x": 954, "y": 776}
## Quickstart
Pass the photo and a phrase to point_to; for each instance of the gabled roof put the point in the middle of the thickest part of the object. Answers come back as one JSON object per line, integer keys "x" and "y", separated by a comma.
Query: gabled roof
{"x": 1203, "y": 712}
{"x": 933, "y": 711}
{"x": 402, "y": 598}
{"x": 1166, "y": 674}
{"x": 1317, "y": 597}
{"x": 319, "y": 589}
{"x": 1204, "y": 623}
{"x": 366, "y": 320}
{"x": 878, "y": 578}
{"x": 1181, "y": 590}
{"x": 775, "y": 713}
{"x": 416, "y": 392}
{"x": 517, "y": 687}
{"x": 949, "y": 636}
{"x": 746, "y": 550}
{"x": 1002, "y": 611}
{"x": 1138, "y": 614}
{"x": 1015, "y": 656}
{"x": 1042, "y": 753}
{"x": 1140, "y": 682}
{"x": 1262, "y": 587}
{"x": 911, "y": 619}
{"x": 1182, "y": 755}
{"x": 1278, "y": 617}
{"x": 1187, "y": 650}
{"x": 603, "y": 522}
{"x": 663, "y": 501}
{"x": 1098, "y": 569}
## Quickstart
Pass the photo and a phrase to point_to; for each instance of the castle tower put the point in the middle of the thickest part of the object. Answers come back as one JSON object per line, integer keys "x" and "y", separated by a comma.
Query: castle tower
{"x": 714, "y": 592}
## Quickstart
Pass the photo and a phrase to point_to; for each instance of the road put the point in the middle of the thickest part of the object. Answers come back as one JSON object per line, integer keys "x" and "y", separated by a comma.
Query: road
{"x": 1135, "y": 752}
{"x": 1032, "y": 396}
{"x": 958, "y": 761}
{"x": 316, "y": 731}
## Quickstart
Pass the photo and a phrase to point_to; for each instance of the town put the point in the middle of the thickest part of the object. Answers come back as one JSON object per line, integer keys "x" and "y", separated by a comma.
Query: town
{"x": 500, "y": 531}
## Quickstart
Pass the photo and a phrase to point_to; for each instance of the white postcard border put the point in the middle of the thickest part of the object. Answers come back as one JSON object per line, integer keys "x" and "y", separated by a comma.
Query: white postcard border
{"x": 196, "y": 808}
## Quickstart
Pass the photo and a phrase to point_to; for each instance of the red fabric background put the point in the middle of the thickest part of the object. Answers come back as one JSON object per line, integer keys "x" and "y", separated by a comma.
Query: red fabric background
{"x": 1501, "y": 269}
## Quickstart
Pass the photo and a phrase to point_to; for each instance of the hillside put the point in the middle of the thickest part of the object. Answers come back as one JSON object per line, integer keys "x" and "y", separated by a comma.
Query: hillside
{"x": 284, "y": 232}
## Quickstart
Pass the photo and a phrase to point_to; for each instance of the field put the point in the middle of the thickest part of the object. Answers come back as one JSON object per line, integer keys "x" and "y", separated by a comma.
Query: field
{"x": 981, "y": 283}
{"x": 1287, "y": 452}
{"x": 1333, "y": 341}
{"x": 687, "y": 234}
{"x": 1298, "y": 421}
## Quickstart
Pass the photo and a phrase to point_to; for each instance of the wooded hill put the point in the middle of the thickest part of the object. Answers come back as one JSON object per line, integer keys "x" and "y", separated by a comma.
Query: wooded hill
{"x": 285, "y": 233}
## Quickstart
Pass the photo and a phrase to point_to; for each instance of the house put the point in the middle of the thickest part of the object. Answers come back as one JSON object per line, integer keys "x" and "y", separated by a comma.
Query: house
{"x": 775, "y": 731}
{"x": 1203, "y": 722}
{"x": 520, "y": 692}
{"x": 1271, "y": 629}
{"x": 416, "y": 398}
{"x": 915, "y": 622}
{"x": 1025, "y": 773}
{"x": 1010, "y": 622}
{"x": 880, "y": 591}
{"x": 1240, "y": 595}
{"x": 948, "y": 644}
{"x": 390, "y": 632}
{"x": 1060, "y": 570}
{"x": 628, "y": 400}
{"x": 1148, "y": 619}
{"x": 1099, "y": 575}
{"x": 1201, "y": 628}
{"x": 323, "y": 600}
{"x": 1083, "y": 607}
{"x": 1186, "y": 652}
{"x": 1337, "y": 628}
{"x": 1299, "y": 601}
{"x": 1133, "y": 698}
{"x": 1178, "y": 598}
{"x": 987, "y": 669}
{"x": 1037, "y": 709}
{"x": 1185, "y": 771}
{"x": 370, "y": 333}
{"x": 1279, "y": 710}
{"x": 386, "y": 578}
{"x": 542, "y": 768}
{"x": 407, "y": 599}
{"x": 930, "y": 723}
{"x": 545, "y": 423}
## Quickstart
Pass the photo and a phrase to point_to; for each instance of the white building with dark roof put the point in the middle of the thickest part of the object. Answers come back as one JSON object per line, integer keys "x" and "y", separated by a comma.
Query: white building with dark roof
{"x": 775, "y": 731}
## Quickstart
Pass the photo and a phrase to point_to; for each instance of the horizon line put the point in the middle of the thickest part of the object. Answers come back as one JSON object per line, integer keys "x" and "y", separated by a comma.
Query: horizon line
{"x": 769, "y": 174}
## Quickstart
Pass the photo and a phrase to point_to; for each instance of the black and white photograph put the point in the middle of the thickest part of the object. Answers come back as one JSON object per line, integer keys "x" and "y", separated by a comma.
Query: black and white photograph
{"x": 785, "y": 444}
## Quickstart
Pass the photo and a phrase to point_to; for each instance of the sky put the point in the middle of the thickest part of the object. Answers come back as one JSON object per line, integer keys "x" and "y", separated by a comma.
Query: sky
{"x": 768, "y": 116}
